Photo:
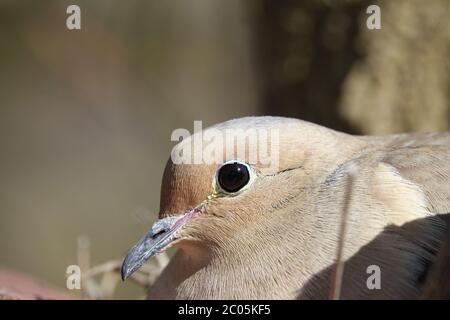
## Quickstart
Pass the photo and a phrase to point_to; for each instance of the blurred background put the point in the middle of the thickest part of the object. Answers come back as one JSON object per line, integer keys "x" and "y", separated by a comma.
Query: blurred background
{"x": 86, "y": 115}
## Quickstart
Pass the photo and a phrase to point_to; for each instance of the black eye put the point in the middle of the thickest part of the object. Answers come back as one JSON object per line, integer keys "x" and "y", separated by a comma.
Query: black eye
{"x": 233, "y": 176}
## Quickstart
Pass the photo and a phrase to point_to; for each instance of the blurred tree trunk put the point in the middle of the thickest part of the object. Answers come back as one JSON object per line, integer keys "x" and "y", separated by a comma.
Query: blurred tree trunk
{"x": 319, "y": 62}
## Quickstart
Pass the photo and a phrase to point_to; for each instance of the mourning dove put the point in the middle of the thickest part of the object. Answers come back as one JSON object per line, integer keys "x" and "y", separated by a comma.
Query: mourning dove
{"x": 251, "y": 230}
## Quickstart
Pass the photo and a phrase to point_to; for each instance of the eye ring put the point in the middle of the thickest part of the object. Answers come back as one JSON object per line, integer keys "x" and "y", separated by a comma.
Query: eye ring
{"x": 233, "y": 176}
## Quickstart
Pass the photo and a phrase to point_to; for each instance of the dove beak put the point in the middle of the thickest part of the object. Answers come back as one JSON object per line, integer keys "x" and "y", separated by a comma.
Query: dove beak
{"x": 160, "y": 237}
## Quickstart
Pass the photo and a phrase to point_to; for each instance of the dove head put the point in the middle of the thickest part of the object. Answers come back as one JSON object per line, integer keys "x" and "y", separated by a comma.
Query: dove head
{"x": 234, "y": 203}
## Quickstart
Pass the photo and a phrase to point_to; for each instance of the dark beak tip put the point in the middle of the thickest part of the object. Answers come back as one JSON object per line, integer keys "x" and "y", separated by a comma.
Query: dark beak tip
{"x": 124, "y": 274}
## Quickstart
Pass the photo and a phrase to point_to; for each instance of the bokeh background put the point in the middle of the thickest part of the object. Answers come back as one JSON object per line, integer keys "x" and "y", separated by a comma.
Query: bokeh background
{"x": 86, "y": 116}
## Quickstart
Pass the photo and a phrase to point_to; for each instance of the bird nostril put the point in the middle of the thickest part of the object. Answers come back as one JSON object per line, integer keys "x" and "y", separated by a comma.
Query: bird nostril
{"x": 155, "y": 235}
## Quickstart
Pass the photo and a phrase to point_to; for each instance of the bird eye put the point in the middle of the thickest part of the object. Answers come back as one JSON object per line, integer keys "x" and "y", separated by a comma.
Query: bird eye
{"x": 233, "y": 176}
